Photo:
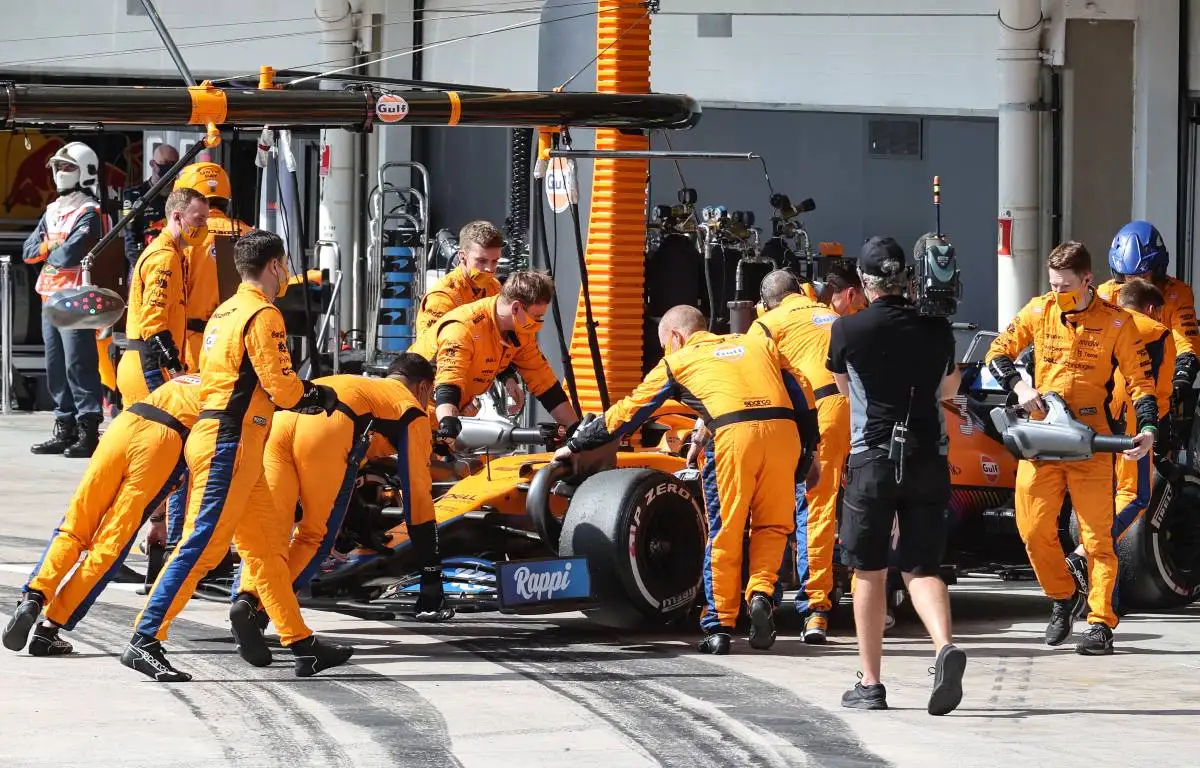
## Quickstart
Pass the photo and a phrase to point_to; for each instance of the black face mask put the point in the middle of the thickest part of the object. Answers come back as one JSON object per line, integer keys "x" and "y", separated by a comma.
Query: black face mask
{"x": 158, "y": 169}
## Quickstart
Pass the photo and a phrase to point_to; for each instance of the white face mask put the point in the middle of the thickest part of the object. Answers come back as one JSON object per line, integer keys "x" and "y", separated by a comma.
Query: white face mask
{"x": 65, "y": 181}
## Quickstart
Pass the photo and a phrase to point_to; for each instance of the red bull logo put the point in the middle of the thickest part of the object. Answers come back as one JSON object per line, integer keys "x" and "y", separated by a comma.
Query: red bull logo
{"x": 32, "y": 183}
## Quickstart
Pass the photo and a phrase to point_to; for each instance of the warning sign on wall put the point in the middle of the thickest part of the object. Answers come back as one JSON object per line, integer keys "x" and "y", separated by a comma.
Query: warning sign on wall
{"x": 1004, "y": 236}
{"x": 325, "y": 164}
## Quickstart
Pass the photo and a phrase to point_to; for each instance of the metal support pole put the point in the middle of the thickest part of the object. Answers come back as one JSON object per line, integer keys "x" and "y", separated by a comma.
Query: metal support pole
{"x": 168, "y": 41}
{"x": 651, "y": 154}
{"x": 6, "y": 323}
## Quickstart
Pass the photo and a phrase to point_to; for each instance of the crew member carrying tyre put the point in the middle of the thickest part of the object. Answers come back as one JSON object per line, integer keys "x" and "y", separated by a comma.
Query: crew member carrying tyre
{"x": 246, "y": 374}
{"x": 156, "y": 317}
{"x": 475, "y": 342}
{"x": 1080, "y": 343}
{"x": 800, "y": 328}
{"x": 480, "y": 245}
{"x": 1144, "y": 301}
{"x": 138, "y": 461}
{"x": 1138, "y": 251}
{"x": 313, "y": 461}
{"x": 762, "y": 417}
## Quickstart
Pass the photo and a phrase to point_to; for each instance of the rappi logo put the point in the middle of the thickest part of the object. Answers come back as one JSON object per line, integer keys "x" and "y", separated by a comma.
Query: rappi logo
{"x": 541, "y": 585}
{"x": 991, "y": 468}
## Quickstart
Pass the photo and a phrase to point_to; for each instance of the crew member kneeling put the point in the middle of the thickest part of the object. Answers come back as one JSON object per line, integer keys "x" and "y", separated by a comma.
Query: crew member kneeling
{"x": 245, "y": 373}
{"x": 474, "y": 343}
{"x": 764, "y": 436}
{"x": 314, "y": 461}
{"x": 1080, "y": 342}
{"x": 138, "y": 461}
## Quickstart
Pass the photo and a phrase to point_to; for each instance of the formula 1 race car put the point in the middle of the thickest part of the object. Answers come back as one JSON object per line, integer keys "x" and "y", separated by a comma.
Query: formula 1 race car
{"x": 520, "y": 534}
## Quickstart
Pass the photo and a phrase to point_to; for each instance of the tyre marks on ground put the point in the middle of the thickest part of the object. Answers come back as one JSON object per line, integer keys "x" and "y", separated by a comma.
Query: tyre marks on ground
{"x": 347, "y": 716}
{"x": 680, "y": 710}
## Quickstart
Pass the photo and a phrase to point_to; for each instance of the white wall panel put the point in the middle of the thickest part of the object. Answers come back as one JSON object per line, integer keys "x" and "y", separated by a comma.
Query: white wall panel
{"x": 469, "y": 43}
{"x": 74, "y": 36}
{"x": 920, "y": 55}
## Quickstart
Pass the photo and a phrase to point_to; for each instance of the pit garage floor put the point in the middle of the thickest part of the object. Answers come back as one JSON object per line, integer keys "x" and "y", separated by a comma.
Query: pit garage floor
{"x": 481, "y": 691}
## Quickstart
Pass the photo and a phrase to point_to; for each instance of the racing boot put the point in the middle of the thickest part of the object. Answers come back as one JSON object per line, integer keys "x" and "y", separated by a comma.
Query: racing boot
{"x": 717, "y": 642}
{"x": 816, "y": 628}
{"x": 314, "y": 654}
{"x": 146, "y": 655}
{"x": 1097, "y": 641}
{"x": 1062, "y": 618}
{"x": 16, "y": 634}
{"x": 1078, "y": 566}
{"x": 246, "y": 630}
{"x": 65, "y": 434}
{"x": 762, "y": 622}
{"x": 46, "y": 642}
{"x": 865, "y": 696}
{"x": 89, "y": 437}
{"x": 431, "y": 602}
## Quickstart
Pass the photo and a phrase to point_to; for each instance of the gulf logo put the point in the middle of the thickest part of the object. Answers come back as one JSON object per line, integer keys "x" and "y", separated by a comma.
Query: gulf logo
{"x": 391, "y": 108}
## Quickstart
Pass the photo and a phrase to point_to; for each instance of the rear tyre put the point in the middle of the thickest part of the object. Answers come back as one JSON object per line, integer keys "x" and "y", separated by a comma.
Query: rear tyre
{"x": 1159, "y": 554}
{"x": 643, "y": 533}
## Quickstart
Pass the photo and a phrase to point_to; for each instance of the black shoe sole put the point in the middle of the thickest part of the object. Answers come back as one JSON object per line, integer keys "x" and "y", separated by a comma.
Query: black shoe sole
{"x": 868, "y": 704}
{"x": 42, "y": 648}
{"x": 715, "y": 646}
{"x": 132, "y": 658}
{"x": 762, "y": 624}
{"x": 1083, "y": 650}
{"x": 16, "y": 634}
{"x": 948, "y": 693}
{"x": 307, "y": 666}
{"x": 251, "y": 645}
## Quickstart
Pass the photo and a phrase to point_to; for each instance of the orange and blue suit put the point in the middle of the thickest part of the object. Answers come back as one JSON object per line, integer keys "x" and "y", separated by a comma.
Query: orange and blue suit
{"x": 157, "y": 310}
{"x": 1078, "y": 355}
{"x": 762, "y": 417}
{"x": 801, "y": 329}
{"x": 137, "y": 463}
{"x": 245, "y": 373}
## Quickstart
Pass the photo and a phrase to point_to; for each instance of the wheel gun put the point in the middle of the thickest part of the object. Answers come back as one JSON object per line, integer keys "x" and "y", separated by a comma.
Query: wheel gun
{"x": 1058, "y": 437}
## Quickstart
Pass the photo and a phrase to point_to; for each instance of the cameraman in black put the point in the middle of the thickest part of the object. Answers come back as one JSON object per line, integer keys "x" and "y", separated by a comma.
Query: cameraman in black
{"x": 896, "y": 365}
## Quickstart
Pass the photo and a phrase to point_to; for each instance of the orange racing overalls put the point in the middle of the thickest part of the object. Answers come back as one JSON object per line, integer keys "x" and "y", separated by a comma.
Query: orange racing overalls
{"x": 753, "y": 401}
{"x": 453, "y": 290}
{"x": 157, "y": 307}
{"x": 203, "y": 292}
{"x": 246, "y": 372}
{"x": 138, "y": 462}
{"x": 800, "y": 327}
{"x": 314, "y": 461}
{"x": 1077, "y": 355}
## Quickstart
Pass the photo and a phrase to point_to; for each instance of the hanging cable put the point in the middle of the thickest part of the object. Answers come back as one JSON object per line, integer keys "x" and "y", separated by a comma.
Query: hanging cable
{"x": 516, "y": 224}
{"x": 539, "y": 217}
{"x": 310, "y": 337}
{"x": 649, "y": 5}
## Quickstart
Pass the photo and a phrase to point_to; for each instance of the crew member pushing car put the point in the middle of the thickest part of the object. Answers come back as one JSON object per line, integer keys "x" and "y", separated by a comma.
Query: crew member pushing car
{"x": 761, "y": 414}
{"x": 314, "y": 461}
{"x": 1080, "y": 343}
{"x": 472, "y": 344}
{"x": 138, "y": 461}
{"x": 245, "y": 374}
{"x": 800, "y": 328}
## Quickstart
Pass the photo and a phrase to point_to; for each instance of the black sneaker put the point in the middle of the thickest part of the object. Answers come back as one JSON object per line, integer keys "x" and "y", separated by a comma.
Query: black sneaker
{"x": 1062, "y": 618}
{"x": 717, "y": 643}
{"x": 145, "y": 654}
{"x": 865, "y": 696}
{"x": 1096, "y": 641}
{"x": 314, "y": 654}
{"x": 947, "y": 680}
{"x": 243, "y": 623}
{"x": 46, "y": 642}
{"x": 16, "y": 634}
{"x": 1077, "y": 565}
{"x": 762, "y": 622}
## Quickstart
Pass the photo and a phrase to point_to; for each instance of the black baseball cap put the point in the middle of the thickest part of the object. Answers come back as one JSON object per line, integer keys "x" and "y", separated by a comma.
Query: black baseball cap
{"x": 876, "y": 252}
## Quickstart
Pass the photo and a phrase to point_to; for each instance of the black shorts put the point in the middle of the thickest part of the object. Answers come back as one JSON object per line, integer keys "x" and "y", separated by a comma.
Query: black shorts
{"x": 872, "y": 501}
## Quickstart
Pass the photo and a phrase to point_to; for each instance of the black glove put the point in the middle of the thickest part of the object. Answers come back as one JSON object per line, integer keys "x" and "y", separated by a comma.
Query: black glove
{"x": 449, "y": 426}
{"x": 317, "y": 398}
{"x": 1179, "y": 394}
{"x": 164, "y": 347}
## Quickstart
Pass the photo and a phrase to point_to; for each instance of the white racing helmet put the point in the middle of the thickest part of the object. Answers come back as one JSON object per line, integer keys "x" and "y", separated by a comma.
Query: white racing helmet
{"x": 75, "y": 165}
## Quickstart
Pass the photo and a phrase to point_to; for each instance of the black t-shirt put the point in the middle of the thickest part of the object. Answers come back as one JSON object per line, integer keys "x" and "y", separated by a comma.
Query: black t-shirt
{"x": 893, "y": 357}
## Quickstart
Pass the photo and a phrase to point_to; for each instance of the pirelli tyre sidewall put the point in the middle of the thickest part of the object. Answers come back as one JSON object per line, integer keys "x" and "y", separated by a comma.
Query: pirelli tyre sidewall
{"x": 1159, "y": 554}
{"x": 643, "y": 532}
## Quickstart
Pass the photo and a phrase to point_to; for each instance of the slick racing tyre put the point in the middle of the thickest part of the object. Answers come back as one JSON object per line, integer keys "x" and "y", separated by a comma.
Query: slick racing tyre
{"x": 643, "y": 532}
{"x": 1159, "y": 554}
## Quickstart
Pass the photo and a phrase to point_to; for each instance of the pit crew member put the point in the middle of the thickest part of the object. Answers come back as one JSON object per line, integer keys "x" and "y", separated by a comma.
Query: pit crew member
{"x": 1080, "y": 344}
{"x": 764, "y": 439}
{"x": 138, "y": 461}
{"x": 245, "y": 373}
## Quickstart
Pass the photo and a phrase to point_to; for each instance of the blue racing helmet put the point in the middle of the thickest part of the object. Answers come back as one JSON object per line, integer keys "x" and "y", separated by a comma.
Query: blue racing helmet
{"x": 1138, "y": 248}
